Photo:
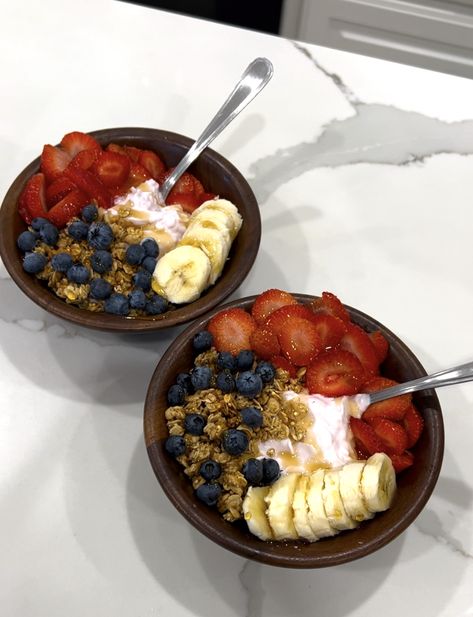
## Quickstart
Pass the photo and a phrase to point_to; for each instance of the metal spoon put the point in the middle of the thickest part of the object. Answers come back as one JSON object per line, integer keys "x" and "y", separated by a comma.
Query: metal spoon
{"x": 447, "y": 377}
{"x": 253, "y": 80}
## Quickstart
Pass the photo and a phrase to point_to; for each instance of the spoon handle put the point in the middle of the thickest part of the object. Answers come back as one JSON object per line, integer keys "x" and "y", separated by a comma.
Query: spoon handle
{"x": 447, "y": 377}
{"x": 253, "y": 80}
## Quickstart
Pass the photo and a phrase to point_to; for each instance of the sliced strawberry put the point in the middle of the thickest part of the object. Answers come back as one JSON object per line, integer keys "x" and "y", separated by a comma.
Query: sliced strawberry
{"x": 188, "y": 201}
{"x": 206, "y": 197}
{"x": 231, "y": 330}
{"x": 32, "y": 201}
{"x": 58, "y": 189}
{"x": 366, "y": 439}
{"x": 278, "y": 319}
{"x": 269, "y": 301}
{"x": 67, "y": 208}
{"x": 75, "y": 142}
{"x": 152, "y": 162}
{"x": 133, "y": 153}
{"x": 54, "y": 161}
{"x": 138, "y": 174}
{"x": 331, "y": 305}
{"x": 284, "y": 364}
{"x": 357, "y": 341}
{"x": 392, "y": 434}
{"x": 112, "y": 168}
{"x": 299, "y": 341}
{"x": 380, "y": 344}
{"x": 264, "y": 342}
{"x": 329, "y": 328}
{"x": 334, "y": 373}
{"x": 198, "y": 187}
{"x": 402, "y": 461}
{"x": 413, "y": 423}
{"x": 393, "y": 408}
{"x": 90, "y": 185}
{"x": 85, "y": 159}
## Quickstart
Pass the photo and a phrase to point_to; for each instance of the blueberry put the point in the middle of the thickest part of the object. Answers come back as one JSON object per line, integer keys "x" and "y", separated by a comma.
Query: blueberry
{"x": 271, "y": 471}
{"x": 100, "y": 289}
{"x": 33, "y": 263}
{"x": 38, "y": 222}
{"x": 101, "y": 261}
{"x": 156, "y": 305}
{"x": 249, "y": 384}
{"x": 90, "y": 213}
{"x": 210, "y": 470}
{"x": 184, "y": 380}
{"x": 235, "y": 442}
{"x": 251, "y": 416}
{"x": 137, "y": 299}
{"x": 26, "y": 241}
{"x": 194, "y": 423}
{"x": 201, "y": 377}
{"x": 226, "y": 360}
{"x": 117, "y": 304}
{"x": 202, "y": 341}
{"x": 135, "y": 254}
{"x": 100, "y": 235}
{"x": 79, "y": 274}
{"x": 61, "y": 262}
{"x": 149, "y": 263}
{"x": 266, "y": 371}
{"x": 151, "y": 247}
{"x": 225, "y": 381}
{"x": 209, "y": 493}
{"x": 49, "y": 234}
{"x": 78, "y": 230}
{"x": 244, "y": 360}
{"x": 175, "y": 445}
{"x": 253, "y": 471}
{"x": 176, "y": 395}
{"x": 142, "y": 279}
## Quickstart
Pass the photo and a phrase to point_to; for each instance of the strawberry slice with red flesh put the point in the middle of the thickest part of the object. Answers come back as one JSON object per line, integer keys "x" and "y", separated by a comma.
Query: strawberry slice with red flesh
{"x": 413, "y": 423}
{"x": 206, "y": 197}
{"x": 231, "y": 330}
{"x": 70, "y": 206}
{"x": 112, "y": 168}
{"x": 329, "y": 328}
{"x": 284, "y": 364}
{"x": 357, "y": 341}
{"x": 334, "y": 373}
{"x": 392, "y": 408}
{"x": 299, "y": 341}
{"x": 188, "y": 201}
{"x": 85, "y": 159}
{"x": 329, "y": 304}
{"x": 366, "y": 439}
{"x": 265, "y": 343}
{"x": 380, "y": 344}
{"x": 90, "y": 185}
{"x": 76, "y": 142}
{"x": 268, "y": 302}
{"x": 392, "y": 434}
{"x": 32, "y": 202}
{"x": 54, "y": 161}
{"x": 58, "y": 189}
{"x": 151, "y": 161}
{"x": 402, "y": 461}
{"x": 279, "y": 318}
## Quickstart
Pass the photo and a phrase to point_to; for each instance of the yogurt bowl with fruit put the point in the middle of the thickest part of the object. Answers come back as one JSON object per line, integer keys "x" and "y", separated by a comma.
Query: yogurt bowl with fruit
{"x": 258, "y": 428}
{"x": 85, "y": 236}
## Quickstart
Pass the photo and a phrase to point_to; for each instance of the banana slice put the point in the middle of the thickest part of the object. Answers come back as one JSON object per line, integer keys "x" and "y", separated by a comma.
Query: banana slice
{"x": 318, "y": 519}
{"x": 333, "y": 503}
{"x": 350, "y": 491}
{"x": 279, "y": 512}
{"x": 378, "y": 482}
{"x": 213, "y": 243}
{"x": 225, "y": 206}
{"x": 213, "y": 219}
{"x": 182, "y": 274}
{"x": 301, "y": 510}
{"x": 254, "y": 510}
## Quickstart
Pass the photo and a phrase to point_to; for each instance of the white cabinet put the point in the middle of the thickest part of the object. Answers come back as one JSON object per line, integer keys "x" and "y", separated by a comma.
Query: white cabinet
{"x": 435, "y": 34}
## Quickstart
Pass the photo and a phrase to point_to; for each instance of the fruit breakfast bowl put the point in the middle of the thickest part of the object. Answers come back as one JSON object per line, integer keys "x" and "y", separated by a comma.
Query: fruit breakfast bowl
{"x": 68, "y": 195}
{"x": 243, "y": 498}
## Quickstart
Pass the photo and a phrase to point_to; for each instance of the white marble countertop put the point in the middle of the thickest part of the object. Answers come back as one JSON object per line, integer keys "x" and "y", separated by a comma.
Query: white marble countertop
{"x": 363, "y": 170}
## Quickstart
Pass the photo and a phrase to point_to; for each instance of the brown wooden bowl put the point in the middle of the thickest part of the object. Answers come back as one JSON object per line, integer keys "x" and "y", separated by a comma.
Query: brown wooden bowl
{"x": 415, "y": 484}
{"x": 217, "y": 175}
